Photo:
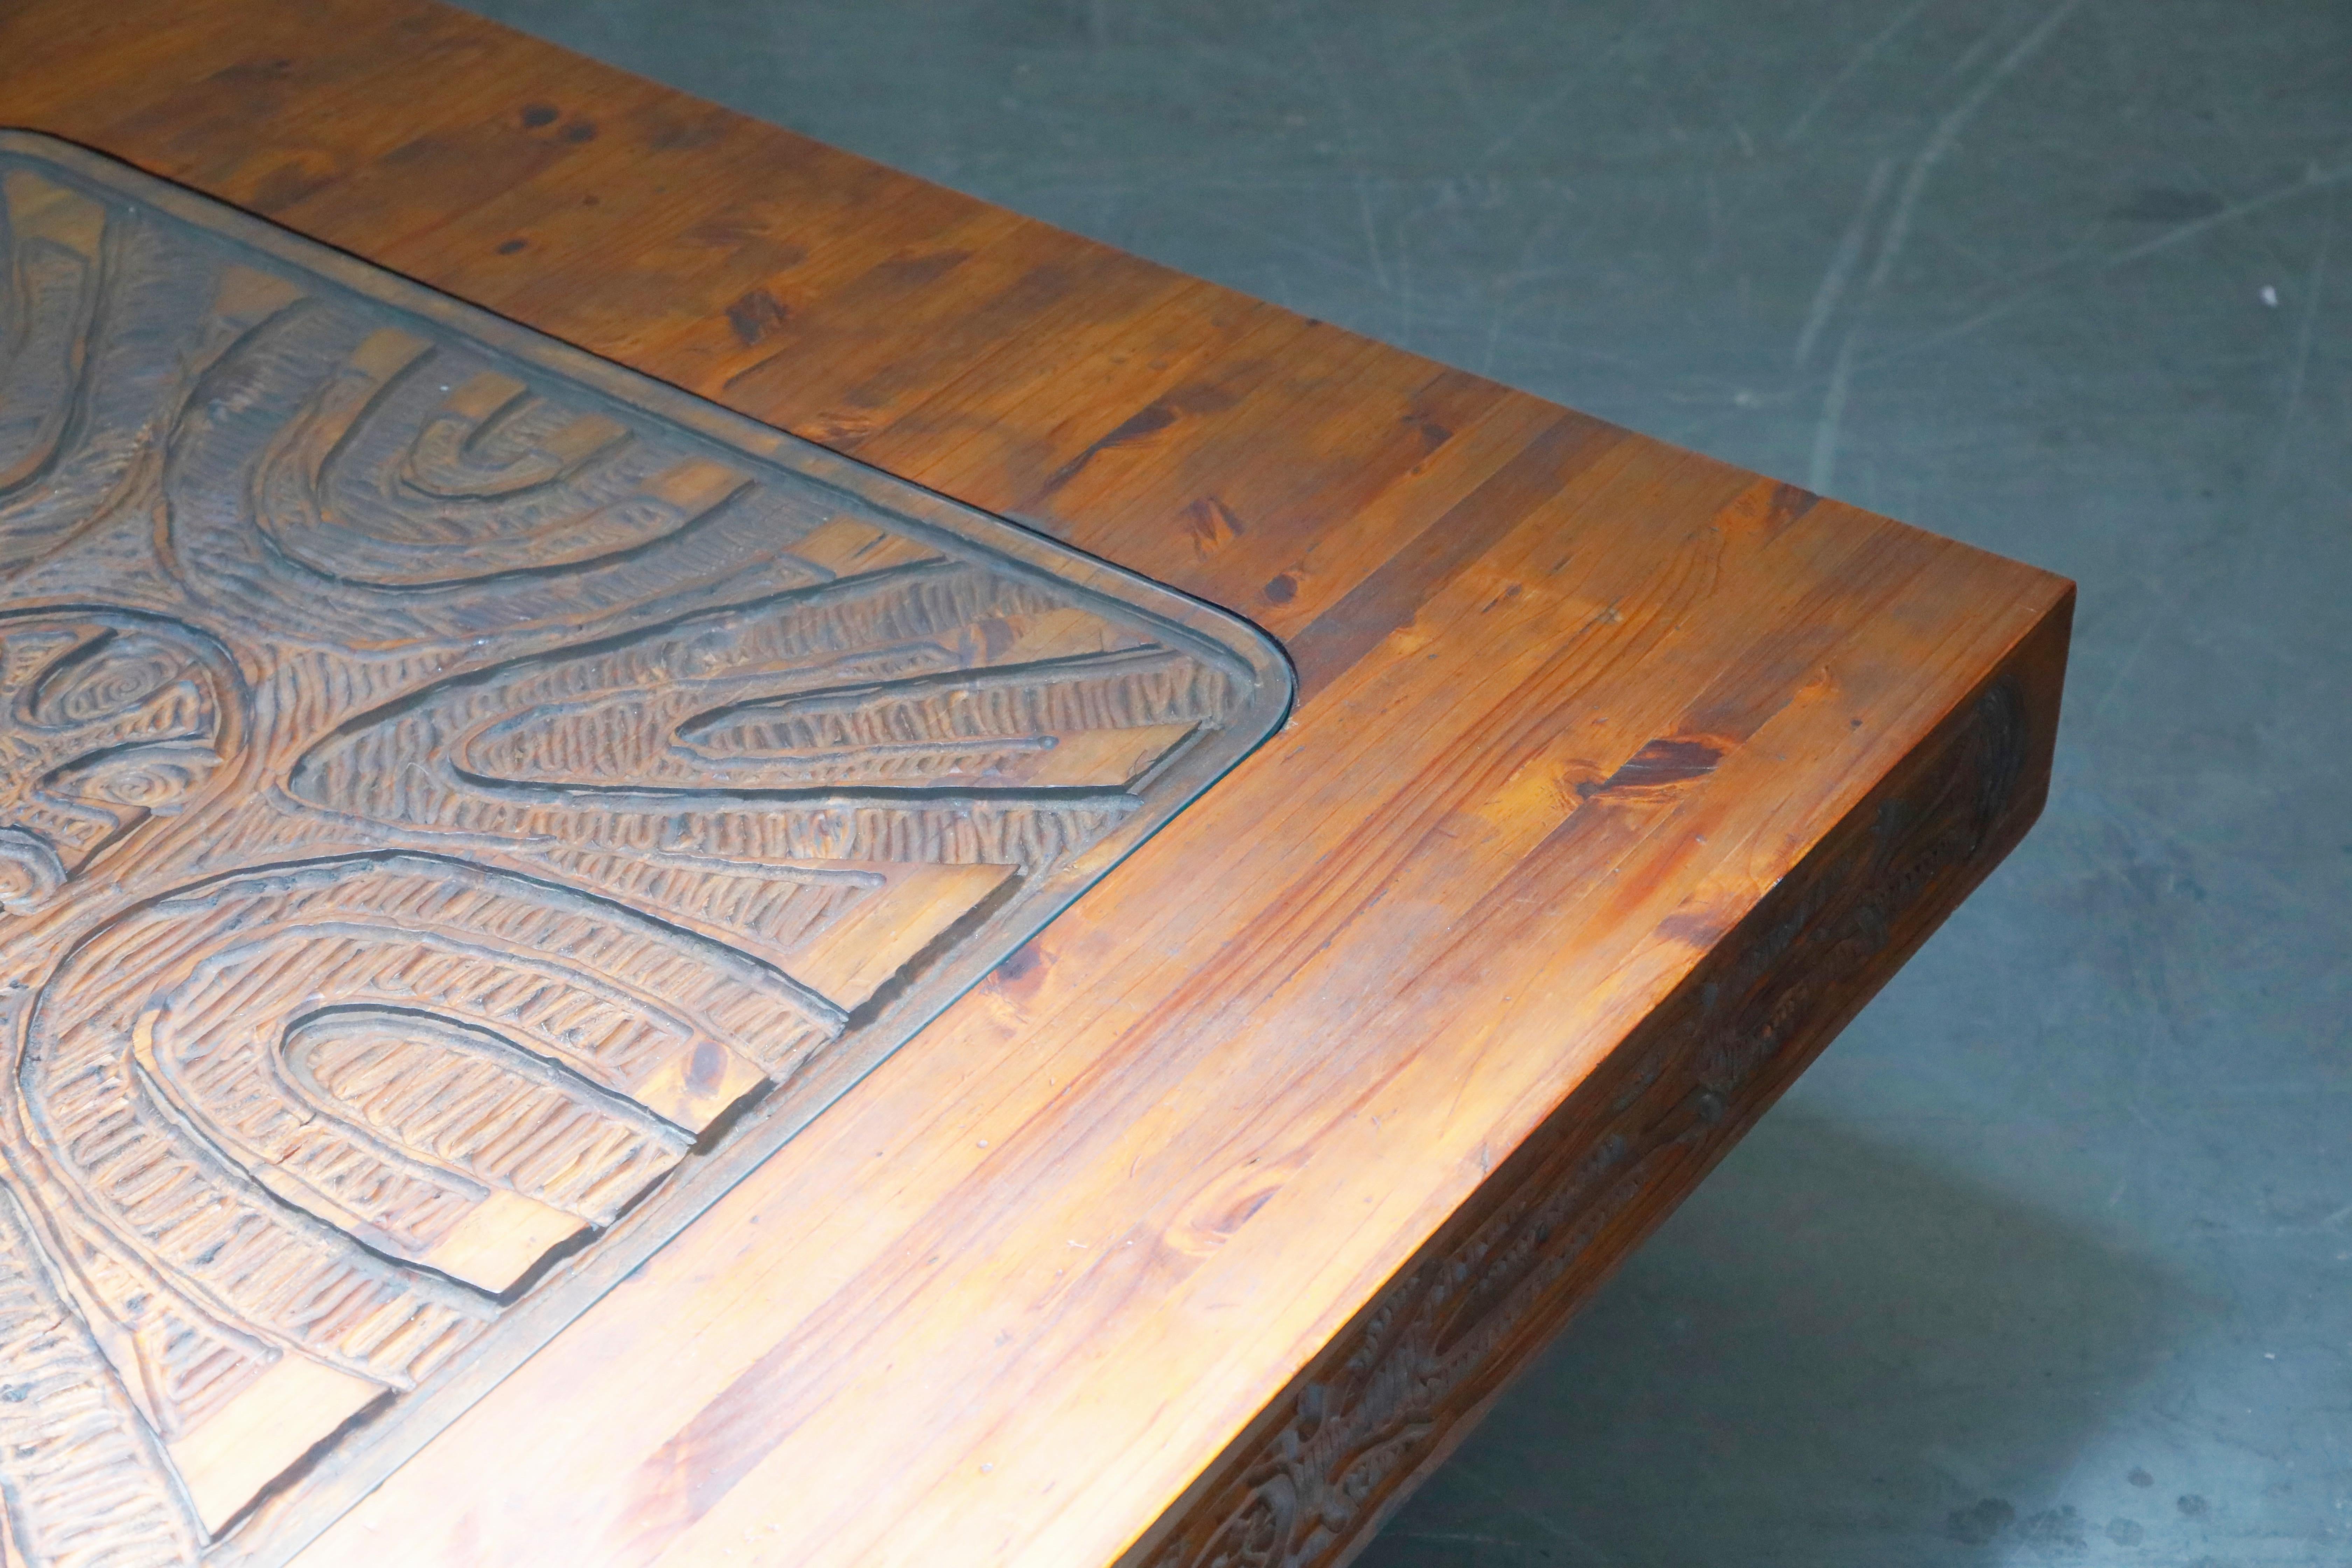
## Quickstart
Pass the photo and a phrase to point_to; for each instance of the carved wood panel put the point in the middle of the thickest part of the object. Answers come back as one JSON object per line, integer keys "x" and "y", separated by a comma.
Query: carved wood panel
{"x": 460, "y": 805}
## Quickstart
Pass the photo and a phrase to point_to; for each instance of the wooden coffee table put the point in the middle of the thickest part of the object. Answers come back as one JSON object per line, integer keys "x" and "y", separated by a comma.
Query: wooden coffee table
{"x": 547, "y": 1022}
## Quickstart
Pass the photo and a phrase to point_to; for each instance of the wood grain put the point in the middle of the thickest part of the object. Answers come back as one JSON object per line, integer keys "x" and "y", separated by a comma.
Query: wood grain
{"x": 455, "y": 816}
{"x": 1388, "y": 1398}
{"x": 1619, "y": 780}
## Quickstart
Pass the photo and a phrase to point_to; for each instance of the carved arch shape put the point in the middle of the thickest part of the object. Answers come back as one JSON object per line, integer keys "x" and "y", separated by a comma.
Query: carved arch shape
{"x": 378, "y": 488}
{"x": 936, "y": 712}
{"x": 395, "y": 476}
{"x": 258, "y": 1019}
{"x": 102, "y": 313}
{"x": 437, "y": 1141}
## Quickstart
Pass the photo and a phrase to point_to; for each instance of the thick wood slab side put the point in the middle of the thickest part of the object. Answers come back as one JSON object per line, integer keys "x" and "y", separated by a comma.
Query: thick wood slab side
{"x": 1391, "y": 1396}
{"x": 1581, "y": 714}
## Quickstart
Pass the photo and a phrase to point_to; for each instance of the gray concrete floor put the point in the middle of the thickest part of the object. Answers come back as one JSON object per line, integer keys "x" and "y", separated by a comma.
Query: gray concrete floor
{"x": 2049, "y": 1259}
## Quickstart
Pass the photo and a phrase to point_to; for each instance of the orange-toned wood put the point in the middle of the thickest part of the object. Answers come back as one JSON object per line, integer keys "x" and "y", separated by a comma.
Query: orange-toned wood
{"x": 1619, "y": 779}
{"x": 461, "y": 805}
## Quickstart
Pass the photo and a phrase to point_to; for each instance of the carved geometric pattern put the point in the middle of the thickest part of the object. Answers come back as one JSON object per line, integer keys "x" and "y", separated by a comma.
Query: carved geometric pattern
{"x": 460, "y": 805}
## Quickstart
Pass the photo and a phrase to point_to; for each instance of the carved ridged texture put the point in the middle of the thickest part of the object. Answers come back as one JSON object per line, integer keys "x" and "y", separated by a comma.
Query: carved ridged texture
{"x": 422, "y": 767}
{"x": 85, "y": 1485}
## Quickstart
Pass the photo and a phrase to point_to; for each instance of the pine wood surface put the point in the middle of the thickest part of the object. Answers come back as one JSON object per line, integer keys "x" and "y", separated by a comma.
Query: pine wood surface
{"x": 463, "y": 804}
{"x": 1619, "y": 778}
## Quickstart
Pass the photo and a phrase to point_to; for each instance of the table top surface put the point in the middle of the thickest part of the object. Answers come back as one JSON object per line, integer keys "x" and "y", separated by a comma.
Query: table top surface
{"x": 467, "y": 805}
{"x": 1569, "y": 703}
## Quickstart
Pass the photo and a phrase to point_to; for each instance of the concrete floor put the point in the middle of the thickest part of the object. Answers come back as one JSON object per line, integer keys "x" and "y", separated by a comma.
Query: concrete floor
{"x": 2049, "y": 1259}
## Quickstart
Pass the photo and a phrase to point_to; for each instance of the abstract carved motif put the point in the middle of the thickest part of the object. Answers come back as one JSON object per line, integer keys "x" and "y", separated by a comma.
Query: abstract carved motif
{"x": 459, "y": 803}
{"x": 111, "y": 718}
